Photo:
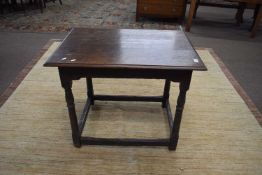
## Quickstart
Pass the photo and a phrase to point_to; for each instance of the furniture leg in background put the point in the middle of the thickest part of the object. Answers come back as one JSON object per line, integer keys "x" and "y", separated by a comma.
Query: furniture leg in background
{"x": 197, "y": 4}
{"x": 90, "y": 90}
{"x": 256, "y": 23}
{"x": 191, "y": 14}
{"x": 240, "y": 12}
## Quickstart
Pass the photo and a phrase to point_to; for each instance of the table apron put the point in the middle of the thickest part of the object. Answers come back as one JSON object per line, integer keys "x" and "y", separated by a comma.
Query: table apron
{"x": 172, "y": 75}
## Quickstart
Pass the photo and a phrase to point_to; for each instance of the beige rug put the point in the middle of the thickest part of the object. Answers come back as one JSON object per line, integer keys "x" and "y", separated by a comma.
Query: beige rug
{"x": 219, "y": 134}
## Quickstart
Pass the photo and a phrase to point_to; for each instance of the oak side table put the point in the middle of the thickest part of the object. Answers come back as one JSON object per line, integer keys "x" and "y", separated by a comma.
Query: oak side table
{"x": 125, "y": 53}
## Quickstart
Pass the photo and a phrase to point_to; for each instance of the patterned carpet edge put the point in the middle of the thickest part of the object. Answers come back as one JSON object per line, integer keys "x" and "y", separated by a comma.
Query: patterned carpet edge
{"x": 80, "y": 13}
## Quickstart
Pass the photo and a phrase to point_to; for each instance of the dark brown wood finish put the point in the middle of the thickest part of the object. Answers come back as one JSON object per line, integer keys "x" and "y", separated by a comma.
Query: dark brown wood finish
{"x": 90, "y": 90}
{"x": 126, "y": 48}
{"x": 161, "y": 8}
{"x": 166, "y": 93}
{"x": 125, "y": 53}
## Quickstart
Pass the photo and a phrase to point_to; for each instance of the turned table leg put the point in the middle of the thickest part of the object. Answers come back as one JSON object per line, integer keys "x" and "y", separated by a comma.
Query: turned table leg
{"x": 257, "y": 22}
{"x": 90, "y": 90}
{"x": 240, "y": 12}
{"x": 174, "y": 135}
{"x": 196, "y": 7}
{"x": 166, "y": 93}
{"x": 67, "y": 85}
{"x": 190, "y": 15}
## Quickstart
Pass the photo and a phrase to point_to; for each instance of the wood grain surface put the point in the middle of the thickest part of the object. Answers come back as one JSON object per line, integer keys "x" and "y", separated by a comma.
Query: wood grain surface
{"x": 129, "y": 48}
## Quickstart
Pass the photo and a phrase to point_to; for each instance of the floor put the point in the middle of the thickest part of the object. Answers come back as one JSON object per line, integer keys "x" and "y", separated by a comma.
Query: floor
{"x": 17, "y": 49}
{"x": 213, "y": 28}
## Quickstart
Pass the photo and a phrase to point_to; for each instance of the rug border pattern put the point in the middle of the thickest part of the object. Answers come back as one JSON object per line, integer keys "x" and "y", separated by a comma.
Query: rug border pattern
{"x": 251, "y": 105}
{"x": 22, "y": 74}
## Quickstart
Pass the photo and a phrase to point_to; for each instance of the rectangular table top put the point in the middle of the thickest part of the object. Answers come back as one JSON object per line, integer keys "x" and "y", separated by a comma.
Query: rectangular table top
{"x": 126, "y": 48}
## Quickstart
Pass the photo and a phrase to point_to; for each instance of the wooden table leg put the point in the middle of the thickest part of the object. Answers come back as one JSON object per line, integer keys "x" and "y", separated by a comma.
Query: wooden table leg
{"x": 67, "y": 85}
{"x": 183, "y": 87}
{"x": 90, "y": 90}
{"x": 197, "y": 5}
{"x": 166, "y": 93}
{"x": 2, "y": 7}
{"x": 240, "y": 12}
{"x": 190, "y": 15}
{"x": 40, "y": 4}
{"x": 256, "y": 11}
{"x": 257, "y": 22}
{"x": 137, "y": 11}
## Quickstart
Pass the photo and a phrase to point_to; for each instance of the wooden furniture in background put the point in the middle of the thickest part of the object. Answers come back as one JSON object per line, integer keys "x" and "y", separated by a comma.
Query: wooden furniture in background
{"x": 257, "y": 13}
{"x": 256, "y": 22}
{"x": 125, "y": 53}
{"x": 161, "y": 9}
